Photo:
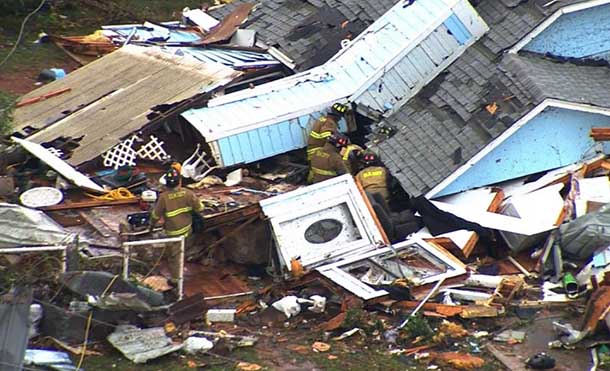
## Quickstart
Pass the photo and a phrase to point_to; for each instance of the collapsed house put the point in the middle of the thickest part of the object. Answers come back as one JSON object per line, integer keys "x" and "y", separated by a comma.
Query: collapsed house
{"x": 493, "y": 116}
{"x": 498, "y": 114}
{"x": 239, "y": 127}
{"x": 112, "y": 99}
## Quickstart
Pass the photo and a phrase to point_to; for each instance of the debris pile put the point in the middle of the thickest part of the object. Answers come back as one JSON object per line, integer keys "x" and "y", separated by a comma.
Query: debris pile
{"x": 158, "y": 215}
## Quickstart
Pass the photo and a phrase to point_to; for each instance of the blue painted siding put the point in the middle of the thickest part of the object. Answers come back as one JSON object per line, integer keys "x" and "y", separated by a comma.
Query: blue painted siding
{"x": 268, "y": 141}
{"x": 457, "y": 29}
{"x": 380, "y": 70}
{"x": 585, "y": 33}
{"x": 555, "y": 138}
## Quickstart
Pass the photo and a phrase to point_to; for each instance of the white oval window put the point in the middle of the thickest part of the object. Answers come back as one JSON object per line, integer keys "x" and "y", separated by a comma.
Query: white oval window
{"x": 323, "y": 231}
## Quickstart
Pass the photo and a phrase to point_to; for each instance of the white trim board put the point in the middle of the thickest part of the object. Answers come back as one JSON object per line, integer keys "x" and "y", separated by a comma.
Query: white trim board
{"x": 550, "y": 20}
{"x": 549, "y": 102}
{"x": 59, "y": 165}
{"x": 496, "y": 221}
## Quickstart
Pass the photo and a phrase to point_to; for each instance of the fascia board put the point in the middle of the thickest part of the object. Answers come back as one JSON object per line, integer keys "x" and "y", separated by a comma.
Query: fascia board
{"x": 549, "y": 102}
{"x": 550, "y": 20}
{"x": 59, "y": 165}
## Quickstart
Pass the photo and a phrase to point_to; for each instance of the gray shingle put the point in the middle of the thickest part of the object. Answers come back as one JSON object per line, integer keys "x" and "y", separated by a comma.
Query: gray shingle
{"x": 441, "y": 123}
{"x": 309, "y": 31}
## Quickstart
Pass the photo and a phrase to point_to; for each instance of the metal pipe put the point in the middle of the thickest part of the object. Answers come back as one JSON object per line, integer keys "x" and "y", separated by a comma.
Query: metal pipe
{"x": 181, "y": 240}
{"x": 181, "y": 268}
{"x": 64, "y": 260}
{"x": 17, "y": 250}
{"x": 519, "y": 267}
{"x": 229, "y": 296}
{"x": 125, "y": 261}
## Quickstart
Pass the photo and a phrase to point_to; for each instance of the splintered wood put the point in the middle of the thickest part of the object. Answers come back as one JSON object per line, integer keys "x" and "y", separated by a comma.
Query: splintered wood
{"x": 600, "y": 134}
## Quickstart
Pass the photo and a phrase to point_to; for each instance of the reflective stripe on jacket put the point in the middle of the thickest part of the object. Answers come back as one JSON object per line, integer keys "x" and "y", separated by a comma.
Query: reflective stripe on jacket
{"x": 320, "y": 131}
{"x": 374, "y": 179}
{"x": 176, "y": 207}
{"x": 348, "y": 154}
{"x": 326, "y": 163}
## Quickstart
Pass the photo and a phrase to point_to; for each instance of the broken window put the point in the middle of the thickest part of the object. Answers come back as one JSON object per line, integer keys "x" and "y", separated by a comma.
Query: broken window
{"x": 416, "y": 260}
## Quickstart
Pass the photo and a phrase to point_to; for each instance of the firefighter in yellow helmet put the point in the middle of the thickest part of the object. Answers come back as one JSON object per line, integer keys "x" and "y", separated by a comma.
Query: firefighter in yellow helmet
{"x": 324, "y": 127}
{"x": 326, "y": 162}
{"x": 373, "y": 177}
{"x": 175, "y": 206}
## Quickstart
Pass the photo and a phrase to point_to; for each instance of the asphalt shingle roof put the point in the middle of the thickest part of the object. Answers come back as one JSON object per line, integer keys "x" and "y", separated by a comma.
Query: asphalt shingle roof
{"x": 309, "y": 31}
{"x": 542, "y": 78}
{"x": 447, "y": 123}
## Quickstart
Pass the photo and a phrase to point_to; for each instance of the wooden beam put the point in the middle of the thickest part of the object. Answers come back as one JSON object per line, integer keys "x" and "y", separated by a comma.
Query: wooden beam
{"x": 600, "y": 134}
{"x": 386, "y": 240}
{"x": 88, "y": 204}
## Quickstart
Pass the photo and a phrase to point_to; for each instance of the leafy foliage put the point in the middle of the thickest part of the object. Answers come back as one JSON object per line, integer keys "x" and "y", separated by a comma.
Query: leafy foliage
{"x": 17, "y": 7}
{"x": 7, "y": 106}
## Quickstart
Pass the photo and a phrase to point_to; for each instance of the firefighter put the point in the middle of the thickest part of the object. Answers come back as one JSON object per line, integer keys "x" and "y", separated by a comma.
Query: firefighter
{"x": 324, "y": 127}
{"x": 373, "y": 177}
{"x": 326, "y": 162}
{"x": 176, "y": 206}
{"x": 351, "y": 156}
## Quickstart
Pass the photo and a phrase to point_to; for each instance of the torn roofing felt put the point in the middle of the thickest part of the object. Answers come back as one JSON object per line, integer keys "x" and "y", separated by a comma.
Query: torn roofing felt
{"x": 447, "y": 123}
{"x": 379, "y": 70}
{"x": 111, "y": 97}
{"x": 309, "y": 31}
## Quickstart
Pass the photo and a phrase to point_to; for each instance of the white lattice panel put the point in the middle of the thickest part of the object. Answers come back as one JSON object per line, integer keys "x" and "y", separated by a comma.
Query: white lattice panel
{"x": 153, "y": 150}
{"x": 56, "y": 152}
{"x": 122, "y": 154}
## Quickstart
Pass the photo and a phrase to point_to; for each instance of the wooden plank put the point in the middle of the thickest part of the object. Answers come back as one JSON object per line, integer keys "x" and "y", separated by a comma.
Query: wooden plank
{"x": 448, "y": 245}
{"x": 469, "y": 247}
{"x": 448, "y": 255}
{"x": 447, "y": 310}
{"x": 88, "y": 204}
{"x": 496, "y": 202}
{"x": 593, "y": 165}
{"x": 512, "y": 363}
{"x": 98, "y": 225}
{"x": 229, "y": 24}
{"x": 373, "y": 214}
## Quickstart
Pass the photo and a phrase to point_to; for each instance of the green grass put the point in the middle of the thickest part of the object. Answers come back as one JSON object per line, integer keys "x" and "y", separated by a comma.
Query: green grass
{"x": 29, "y": 57}
{"x": 113, "y": 360}
{"x": 71, "y": 18}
